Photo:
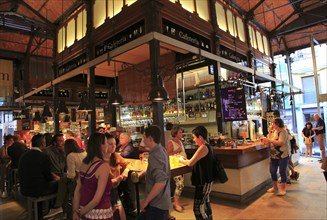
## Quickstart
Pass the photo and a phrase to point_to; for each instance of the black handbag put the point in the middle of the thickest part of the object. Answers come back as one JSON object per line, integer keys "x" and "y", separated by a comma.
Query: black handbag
{"x": 219, "y": 174}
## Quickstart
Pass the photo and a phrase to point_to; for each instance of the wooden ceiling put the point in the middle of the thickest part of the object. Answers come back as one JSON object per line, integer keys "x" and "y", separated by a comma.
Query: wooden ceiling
{"x": 28, "y": 26}
{"x": 289, "y": 23}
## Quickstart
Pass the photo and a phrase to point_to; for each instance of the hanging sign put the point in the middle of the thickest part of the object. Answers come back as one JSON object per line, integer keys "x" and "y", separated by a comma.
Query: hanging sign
{"x": 72, "y": 64}
{"x": 26, "y": 124}
{"x": 233, "y": 55}
{"x": 129, "y": 34}
{"x": 182, "y": 34}
{"x": 6, "y": 79}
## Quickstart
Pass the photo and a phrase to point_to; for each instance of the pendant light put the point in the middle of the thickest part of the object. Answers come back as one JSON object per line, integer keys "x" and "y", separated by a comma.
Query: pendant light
{"x": 115, "y": 98}
{"x": 46, "y": 110}
{"x": 62, "y": 108}
{"x": 158, "y": 93}
{"x": 84, "y": 104}
{"x": 37, "y": 116}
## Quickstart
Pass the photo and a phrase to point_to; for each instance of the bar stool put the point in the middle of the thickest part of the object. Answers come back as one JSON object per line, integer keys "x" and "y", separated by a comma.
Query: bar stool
{"x": 32, "y": 204}
{"x": 13, "y": 180}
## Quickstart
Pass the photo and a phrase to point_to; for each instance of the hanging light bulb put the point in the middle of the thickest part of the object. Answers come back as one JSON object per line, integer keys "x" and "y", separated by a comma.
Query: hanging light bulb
{"x": 291, "y": 98}
{"x": 37, "y": 116}
{"x": 84, "y": 105}
{"x": 24, "y": 114}
{"x": 62, "y": 108}
{"x": 115, "y": 98}
{"x": 46, "y": 110}
{"x": 158, "y": 93}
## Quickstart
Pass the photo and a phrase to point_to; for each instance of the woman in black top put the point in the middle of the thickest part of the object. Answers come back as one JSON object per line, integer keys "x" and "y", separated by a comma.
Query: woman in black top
{"x": 308, "y": 134}
{"x": 202, "y": 177}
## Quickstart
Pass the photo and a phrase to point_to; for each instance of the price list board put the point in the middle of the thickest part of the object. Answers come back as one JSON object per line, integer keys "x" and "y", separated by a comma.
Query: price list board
{"x": 233, "y": 104}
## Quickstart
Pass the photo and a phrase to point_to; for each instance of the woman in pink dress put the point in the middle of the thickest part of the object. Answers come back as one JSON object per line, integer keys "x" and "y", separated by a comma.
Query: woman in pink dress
{"x": 92, "y": 193}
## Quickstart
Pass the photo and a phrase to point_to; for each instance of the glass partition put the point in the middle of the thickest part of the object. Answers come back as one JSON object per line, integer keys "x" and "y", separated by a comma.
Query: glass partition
{"x": 202, "y": 9}
{"x": 81, "y": 25}
{"x": 231, "y": 23}
{"x": 221, "y": 19}
{"x": 61, "y": 39}
{"x": 99, "y": 13}
{"x": 71, "y": 32}
{"x": 114, "y": 7}
{"x": 188, "y": 5}
{"x": 240, "y": 29}
{"x": 259, "y": 39}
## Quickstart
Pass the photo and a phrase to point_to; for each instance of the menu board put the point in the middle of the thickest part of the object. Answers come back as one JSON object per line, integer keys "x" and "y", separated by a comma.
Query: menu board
{"x": 26, "y": 124}
{"x": 233, "y": 104}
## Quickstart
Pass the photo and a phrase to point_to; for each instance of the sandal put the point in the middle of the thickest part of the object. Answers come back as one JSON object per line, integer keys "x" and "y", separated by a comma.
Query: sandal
{"x": 178, "y": 210}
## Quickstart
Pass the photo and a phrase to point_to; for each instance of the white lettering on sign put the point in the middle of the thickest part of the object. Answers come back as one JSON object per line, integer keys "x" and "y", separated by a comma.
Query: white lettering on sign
{"x": 116, "y": 43}
{"x": 188, "y": 38}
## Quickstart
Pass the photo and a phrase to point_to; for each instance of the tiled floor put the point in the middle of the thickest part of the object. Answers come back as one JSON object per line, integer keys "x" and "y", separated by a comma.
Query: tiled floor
{"x": 305, "y": 199}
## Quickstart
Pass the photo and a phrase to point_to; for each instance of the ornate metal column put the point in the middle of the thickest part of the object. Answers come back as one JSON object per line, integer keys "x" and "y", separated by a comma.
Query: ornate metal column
{"x": 289, "y": 62}
{"x": 217, "y": 67}
{"x": 153, "y": 22}
{"x": 91, "y": 71}
{"x": 55, "y": 87}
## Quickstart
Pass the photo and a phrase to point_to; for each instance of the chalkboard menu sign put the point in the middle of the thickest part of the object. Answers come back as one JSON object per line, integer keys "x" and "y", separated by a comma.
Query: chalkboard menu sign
{"x": 26, "y": 124}
{"x": 233, "y": 104}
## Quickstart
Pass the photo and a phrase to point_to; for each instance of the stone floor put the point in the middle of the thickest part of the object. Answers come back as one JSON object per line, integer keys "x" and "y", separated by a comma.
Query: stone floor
{"x": 305, "y": 199}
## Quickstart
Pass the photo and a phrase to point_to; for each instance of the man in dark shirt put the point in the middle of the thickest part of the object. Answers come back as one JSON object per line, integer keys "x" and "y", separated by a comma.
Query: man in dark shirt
{"x": 320, "y": 130}
{"x": 34, "y": 172}
{"x": 57, "y": 156}
{"x": 16, "y": 150}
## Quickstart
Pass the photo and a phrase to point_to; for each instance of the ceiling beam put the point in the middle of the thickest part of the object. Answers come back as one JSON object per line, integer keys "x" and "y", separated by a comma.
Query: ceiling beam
{"x": 285, "y": 45}
{"x": 29, "y": 45}
{"x": 38, "y": 45}
{"x": 250, "y": 13}
{"x": 43, "y": 5}
{"x": 281, "y": 51}
{"x": 308, "y": 19}
{"x": 17, "y": 23}
{"x": 13, "y": 5}
{"x": 68, "y": 12}
{"x": 24, "y": 4}
{"x": 296, "y": 4}
{"x": 6, "y": 54}
{"x": 244, "y": 13}
{"x": 273, "y": 32}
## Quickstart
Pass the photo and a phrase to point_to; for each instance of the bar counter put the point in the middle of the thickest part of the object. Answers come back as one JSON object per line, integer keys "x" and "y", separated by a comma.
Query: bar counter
{"x": 240, "y": 156}
{"x": 247, "y": 167}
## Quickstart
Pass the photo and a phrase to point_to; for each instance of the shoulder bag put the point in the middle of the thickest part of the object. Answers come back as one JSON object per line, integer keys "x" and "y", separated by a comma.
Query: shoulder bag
{"x": 219, "y": 174}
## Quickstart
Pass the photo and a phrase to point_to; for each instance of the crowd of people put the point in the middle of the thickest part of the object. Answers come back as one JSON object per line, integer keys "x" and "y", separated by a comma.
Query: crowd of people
{"x": 283, "y": 145}
{"x": 94, "y": 181}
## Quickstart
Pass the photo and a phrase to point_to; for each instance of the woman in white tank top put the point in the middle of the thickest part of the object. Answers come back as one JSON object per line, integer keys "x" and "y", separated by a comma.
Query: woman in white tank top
{"x": 175, "y": 146}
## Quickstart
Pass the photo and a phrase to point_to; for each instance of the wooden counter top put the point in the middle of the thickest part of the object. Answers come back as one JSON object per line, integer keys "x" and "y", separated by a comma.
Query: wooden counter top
{"x": 241, "y": 149}
{"x": 174, "y": 170}
{"x": 239, "y": 157}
